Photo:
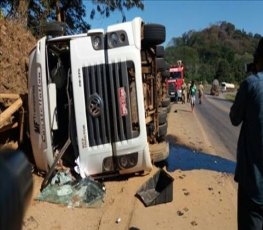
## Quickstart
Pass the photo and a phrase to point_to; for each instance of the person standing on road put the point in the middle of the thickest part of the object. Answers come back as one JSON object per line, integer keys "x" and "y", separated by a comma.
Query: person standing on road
{"x": 248, "y": 110}
{"x": 192, "y": 95}
{"x": 184, "y": 93}
{"x": 188, "y": 91}
{"x": 200, "y": 92}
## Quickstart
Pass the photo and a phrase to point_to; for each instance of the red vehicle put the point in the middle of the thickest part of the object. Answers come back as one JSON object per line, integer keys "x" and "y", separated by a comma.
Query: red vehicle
{"x": 175, "y": 81}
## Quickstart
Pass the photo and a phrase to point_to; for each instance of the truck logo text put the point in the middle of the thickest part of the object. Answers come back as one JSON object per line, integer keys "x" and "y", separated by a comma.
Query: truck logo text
{"x": 39, "y": 126}
{"x": 95, "y": 105}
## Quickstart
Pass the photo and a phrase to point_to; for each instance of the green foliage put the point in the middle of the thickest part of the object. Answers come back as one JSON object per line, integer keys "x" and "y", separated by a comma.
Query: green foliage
{"x": 220, "y": 51}
{"x": 105, "y": 7}
{"x": 35, "y": 13}
{"x": 72, "y": 12}
{"x": 229, "y": 97}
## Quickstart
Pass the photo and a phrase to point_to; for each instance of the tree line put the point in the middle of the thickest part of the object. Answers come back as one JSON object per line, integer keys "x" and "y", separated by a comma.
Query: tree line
{"x": 218, "y": 52}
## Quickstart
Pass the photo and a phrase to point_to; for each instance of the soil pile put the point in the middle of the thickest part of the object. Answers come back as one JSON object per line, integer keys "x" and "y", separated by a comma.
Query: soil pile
{"x": 15, "y": 44}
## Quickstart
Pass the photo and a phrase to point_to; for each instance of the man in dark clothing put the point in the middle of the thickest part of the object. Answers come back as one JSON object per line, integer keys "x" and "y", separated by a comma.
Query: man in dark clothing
{"x": 248, "y": 110}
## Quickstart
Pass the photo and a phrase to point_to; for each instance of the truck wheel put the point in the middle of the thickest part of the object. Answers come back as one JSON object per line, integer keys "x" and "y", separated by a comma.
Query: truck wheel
{"x": 159, "y": 152}
{"x": 54, "y": 28}
{"x": 160, "y": 64}
{"x": 162, "y": 131}
{"x": 162, "y": 114}
{"x": 169, "y": 108}
{"x": 166, "y": 102}
{"x": 159, "y": 51}
{"x": 154, "y": 34}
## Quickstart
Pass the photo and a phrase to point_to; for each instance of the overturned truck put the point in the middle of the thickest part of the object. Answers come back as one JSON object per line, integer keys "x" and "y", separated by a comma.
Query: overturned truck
{"x": 95, "y": 99}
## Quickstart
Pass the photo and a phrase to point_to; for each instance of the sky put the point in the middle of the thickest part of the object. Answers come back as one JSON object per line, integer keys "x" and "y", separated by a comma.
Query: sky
{"x": 180, "y": 17}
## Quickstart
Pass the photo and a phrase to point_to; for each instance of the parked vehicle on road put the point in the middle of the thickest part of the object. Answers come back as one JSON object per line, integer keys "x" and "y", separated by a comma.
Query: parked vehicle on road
{"x": 175, "y": 81}
{"x": 225, "y": 87}
{"x": 215, "y": 88}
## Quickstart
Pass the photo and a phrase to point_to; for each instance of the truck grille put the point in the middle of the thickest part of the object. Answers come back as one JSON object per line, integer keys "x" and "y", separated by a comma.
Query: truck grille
{"x": 171, "y": 88}
{"x": 102, "y": 84}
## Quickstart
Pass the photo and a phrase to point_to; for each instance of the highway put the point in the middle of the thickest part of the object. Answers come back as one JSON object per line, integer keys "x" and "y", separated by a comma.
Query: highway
{"x": 213, "y": 114}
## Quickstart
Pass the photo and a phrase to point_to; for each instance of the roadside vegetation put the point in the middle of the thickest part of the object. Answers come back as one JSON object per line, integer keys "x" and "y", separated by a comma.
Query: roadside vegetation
{"x": 220, "y": 51}
{"x": 230, "y": 96}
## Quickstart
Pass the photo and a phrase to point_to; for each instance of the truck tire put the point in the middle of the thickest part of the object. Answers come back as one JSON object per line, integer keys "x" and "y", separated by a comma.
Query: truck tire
{"x": 162, "y": 131}
{"x": 160, "y": 64}
{"x": 159, "y": 152}
{"x": 169, "y": 108}
{"x": 162, "y": 115}
{"x": 54, "y": 28}
{"x": 159, "y": 51}
{"x": 154, "y": 34}
{"x": 166, "y": 102}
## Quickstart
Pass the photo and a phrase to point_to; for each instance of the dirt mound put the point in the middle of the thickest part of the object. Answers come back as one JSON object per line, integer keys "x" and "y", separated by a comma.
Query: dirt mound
{"x": 15, "y": 44}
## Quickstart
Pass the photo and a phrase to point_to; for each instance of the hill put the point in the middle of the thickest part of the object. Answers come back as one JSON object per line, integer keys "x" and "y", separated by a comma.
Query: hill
{"x": 220, "y": 51}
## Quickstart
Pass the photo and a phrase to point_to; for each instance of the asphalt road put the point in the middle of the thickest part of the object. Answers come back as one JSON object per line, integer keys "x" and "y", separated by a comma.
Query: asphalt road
{"x": 213, "y": 114}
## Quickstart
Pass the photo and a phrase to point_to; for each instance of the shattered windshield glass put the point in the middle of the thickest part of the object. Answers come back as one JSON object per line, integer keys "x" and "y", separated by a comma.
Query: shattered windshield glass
{"x": 64, "y": 189}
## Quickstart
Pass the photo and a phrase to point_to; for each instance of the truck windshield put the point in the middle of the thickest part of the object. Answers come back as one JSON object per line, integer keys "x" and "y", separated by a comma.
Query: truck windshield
{"x": 175, "y": 75}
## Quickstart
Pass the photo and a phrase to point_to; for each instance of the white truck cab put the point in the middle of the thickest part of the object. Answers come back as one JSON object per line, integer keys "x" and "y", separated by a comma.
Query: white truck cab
{"x": 92, "y": 96}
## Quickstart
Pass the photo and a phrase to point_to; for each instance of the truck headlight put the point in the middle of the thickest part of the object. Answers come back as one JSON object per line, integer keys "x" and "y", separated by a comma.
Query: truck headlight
{"x": 123, "y": 161}
{"x": 97, "y": 42}
{"x": 117, "y": 39}
{"x": 133, "y": 160}
{"x": 123, "y": 37}
{"x": 113, "y": 39}
{"x": 128, "y": 161}
{"x": 108, "y": 164}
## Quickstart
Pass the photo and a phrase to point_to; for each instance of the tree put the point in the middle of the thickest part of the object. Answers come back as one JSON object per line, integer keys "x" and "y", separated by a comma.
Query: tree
{"x": 223, "y": 71}
{"x": 205, "y": 73}
{"x": 228, "y": 27}
{"x": 33, "y": 13}
{"x": 72, "y": 12}
{"x": 104, "y": 7}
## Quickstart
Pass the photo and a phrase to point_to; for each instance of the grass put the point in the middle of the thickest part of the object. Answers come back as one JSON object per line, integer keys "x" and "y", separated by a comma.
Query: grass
{"x": 230, "y": 96}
